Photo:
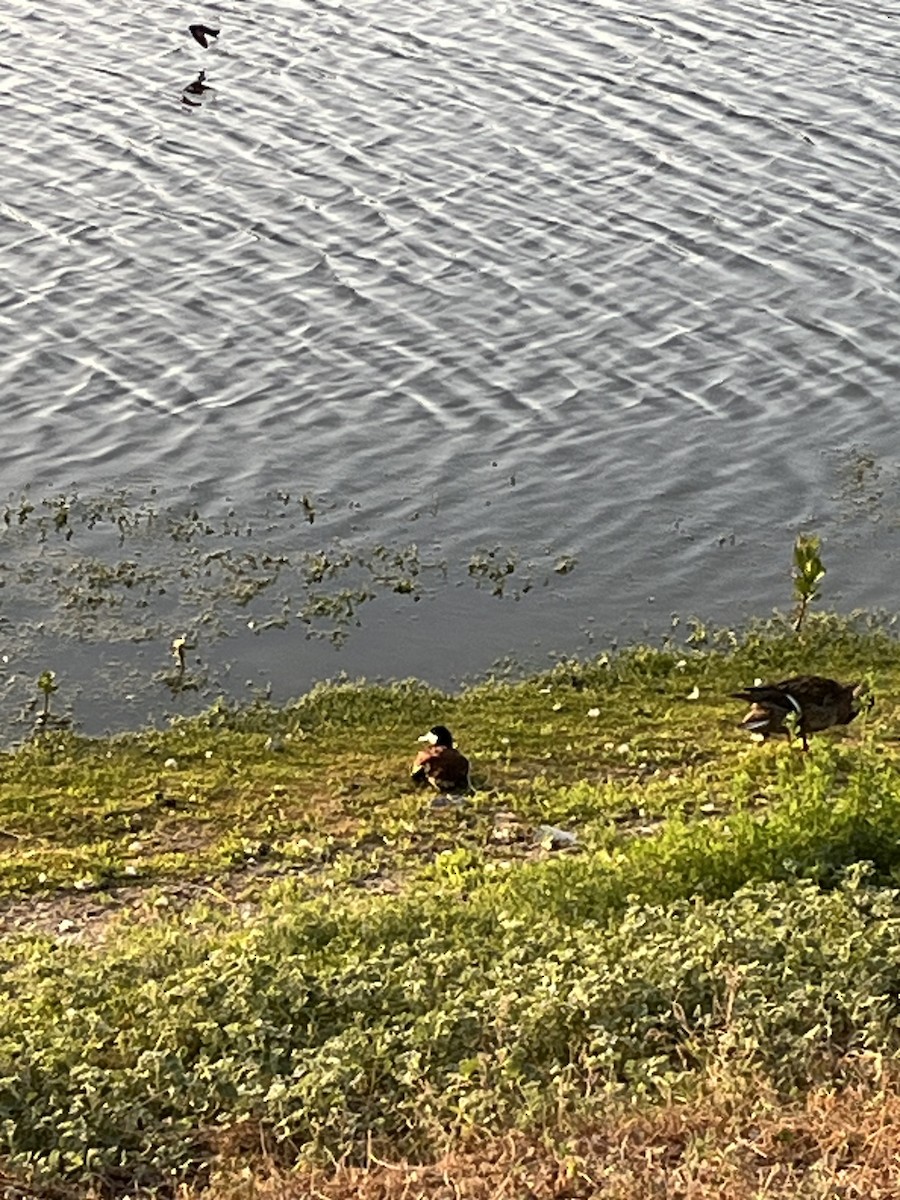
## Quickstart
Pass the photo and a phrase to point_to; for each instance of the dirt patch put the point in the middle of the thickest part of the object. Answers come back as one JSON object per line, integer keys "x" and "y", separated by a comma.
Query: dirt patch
{"x": 86, "y": 916}
{"x": 843, "y": 1146}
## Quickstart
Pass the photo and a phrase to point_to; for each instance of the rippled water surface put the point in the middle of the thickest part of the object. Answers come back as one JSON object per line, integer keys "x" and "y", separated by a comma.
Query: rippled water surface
{"x": 589, "y": 305}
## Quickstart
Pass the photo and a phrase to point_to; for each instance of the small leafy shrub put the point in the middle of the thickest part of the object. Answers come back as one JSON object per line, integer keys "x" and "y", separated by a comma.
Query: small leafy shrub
{"x": 809, "y": 572}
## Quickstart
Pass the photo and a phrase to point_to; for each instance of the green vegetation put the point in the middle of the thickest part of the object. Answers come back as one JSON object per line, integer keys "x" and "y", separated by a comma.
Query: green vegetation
{"x": 47, "y": 685}
{"x": 253, "y": 921}
{"x": 809, "y": 571}
{"x": 130, "y": 567}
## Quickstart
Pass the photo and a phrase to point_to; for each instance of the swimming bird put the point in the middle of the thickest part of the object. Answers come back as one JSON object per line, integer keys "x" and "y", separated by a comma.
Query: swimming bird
{"x": 440, "y": 763}
{"x": 198, "y": 87}
{"x": 201, "y": 32}
{"x": 817, "y": 702}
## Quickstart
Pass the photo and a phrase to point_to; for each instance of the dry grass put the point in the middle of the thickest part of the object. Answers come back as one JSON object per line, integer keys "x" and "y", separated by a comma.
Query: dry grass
{"x": 831, "y": 1146}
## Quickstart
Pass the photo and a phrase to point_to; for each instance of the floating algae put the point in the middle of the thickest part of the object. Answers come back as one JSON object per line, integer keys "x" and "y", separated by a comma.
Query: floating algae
{"x": 100, "y": 585}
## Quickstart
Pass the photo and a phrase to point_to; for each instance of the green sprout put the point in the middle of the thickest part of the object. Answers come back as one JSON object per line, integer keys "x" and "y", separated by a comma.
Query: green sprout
{"x": 808, "y": 574}
{"x": 48, "y": 685}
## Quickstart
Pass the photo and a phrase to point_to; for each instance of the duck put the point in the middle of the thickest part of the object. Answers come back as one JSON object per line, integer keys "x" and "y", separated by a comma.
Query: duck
{"x": 201, "y": 32}
{"x": 817, "y": 702}
{"x": 198, "y": 87}
{"x": 440, "y": 763}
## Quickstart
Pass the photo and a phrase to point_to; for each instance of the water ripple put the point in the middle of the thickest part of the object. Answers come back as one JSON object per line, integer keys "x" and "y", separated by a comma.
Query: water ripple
{"x": 651, "y": 256}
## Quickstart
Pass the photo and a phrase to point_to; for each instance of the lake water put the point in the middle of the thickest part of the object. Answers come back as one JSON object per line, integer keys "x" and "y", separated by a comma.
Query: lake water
{"x": 503, "y": 329}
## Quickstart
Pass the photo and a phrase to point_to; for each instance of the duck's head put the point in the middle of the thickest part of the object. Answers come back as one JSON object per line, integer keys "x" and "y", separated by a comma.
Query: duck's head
{"x": 438, "y": 735}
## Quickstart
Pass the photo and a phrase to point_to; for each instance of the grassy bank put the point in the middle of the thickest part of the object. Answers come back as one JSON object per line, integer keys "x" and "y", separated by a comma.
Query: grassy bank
{"x": 249, "y": 935}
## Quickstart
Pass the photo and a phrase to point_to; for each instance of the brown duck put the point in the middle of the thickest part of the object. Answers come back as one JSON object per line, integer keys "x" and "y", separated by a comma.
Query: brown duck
{"x": 440, "y": 763}
{"x": 817, "y": 702}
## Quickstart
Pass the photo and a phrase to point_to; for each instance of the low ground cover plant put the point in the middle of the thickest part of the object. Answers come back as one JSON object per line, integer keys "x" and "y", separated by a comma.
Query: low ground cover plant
{"x": 312, "y": 952}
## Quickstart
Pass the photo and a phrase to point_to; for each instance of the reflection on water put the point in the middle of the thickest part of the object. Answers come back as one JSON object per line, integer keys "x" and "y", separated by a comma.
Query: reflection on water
{"x": 515, "y": 286}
